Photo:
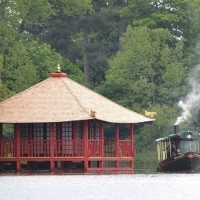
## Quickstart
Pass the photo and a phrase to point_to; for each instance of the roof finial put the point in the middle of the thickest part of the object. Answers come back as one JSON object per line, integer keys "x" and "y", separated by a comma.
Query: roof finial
{"x": 92, "y": 113}
{"x": 58, "y": 68}
{"x": 58, "y": 73}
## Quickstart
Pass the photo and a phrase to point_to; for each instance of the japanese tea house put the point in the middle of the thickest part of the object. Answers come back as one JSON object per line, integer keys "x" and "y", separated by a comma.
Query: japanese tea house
{"x": 60, "y": 124}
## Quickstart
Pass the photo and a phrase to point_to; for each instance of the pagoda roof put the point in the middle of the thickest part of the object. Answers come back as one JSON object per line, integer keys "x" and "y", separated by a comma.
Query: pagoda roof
{"x": 59, "y": 99}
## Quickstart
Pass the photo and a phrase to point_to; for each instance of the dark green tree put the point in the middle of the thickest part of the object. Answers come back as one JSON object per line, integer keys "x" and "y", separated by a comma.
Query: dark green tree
{"x": 143, "y": 74}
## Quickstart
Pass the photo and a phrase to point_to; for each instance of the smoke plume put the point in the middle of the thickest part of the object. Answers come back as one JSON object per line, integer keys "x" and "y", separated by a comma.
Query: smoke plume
{"x": 191, "y": 102}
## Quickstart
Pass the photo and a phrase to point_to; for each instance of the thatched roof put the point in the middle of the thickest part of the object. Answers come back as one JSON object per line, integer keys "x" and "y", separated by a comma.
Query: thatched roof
{"x": 59, "y": 99}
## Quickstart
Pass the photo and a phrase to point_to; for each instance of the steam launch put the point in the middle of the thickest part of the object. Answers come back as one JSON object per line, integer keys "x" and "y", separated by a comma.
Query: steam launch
{"x": 179, "y": 152}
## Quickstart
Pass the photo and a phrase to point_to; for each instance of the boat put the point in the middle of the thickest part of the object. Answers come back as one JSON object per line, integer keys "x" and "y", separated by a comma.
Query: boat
{"x": 179, "y": 152}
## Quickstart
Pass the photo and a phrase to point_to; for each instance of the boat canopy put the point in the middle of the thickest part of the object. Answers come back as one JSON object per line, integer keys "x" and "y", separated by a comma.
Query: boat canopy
{"x": 186, "y": 135}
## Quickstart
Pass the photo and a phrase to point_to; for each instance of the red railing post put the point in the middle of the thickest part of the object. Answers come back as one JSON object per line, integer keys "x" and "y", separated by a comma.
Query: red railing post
{"x": 101, "y": 130}
{"x": 52, "y": 166}
{"x": 117, "y": 144}
{"x": 58, "y": 141}
{"x": 85, "y": 140}
{"x": 132, "y": 145}
{"x": 74, "y": 137}
{"x": 1, "y": 131}
{"x": 17, "y": 139}
{"x": 1, "y": 138}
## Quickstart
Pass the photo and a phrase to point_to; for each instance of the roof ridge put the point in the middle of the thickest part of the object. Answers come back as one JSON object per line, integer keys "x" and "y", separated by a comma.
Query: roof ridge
{"x": 107, "y": 98}
{"x": 74, "y": 95}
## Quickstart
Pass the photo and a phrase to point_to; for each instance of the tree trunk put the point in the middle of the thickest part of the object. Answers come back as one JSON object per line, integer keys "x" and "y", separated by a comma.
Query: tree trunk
{"x": 85, "y": 59}
{"x": 122, "y": 25}
{"x": 121, "y": 33}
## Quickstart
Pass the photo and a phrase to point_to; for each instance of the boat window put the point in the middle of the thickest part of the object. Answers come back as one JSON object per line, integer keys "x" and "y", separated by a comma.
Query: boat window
{"x": 186, "y": 146}
{"x": 161, "y": 149}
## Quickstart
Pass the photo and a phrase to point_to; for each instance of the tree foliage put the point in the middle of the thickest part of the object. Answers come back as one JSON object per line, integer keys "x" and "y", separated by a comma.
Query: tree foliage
{"x": 145, "y": 72}
{"x": 171, "y": 15}
{"x": 137, "y": 52}
{"x": 19, "y": 72}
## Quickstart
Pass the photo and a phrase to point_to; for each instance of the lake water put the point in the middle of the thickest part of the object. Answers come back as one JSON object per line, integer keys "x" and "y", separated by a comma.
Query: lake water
{"x": 137, "y": 186}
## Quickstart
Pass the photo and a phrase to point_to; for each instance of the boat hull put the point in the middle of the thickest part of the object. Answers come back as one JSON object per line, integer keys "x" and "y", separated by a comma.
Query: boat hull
{"x": 188, "y": 163}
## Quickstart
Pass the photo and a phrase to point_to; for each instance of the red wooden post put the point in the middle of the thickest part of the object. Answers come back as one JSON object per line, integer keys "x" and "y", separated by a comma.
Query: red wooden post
{"x": 30, "y": 144}
{"x": 1, "y": 131}
{"x": 59, "y": 143}
{"x": 17, "y": 131}
{"x": 74, "y": 136}
{"x": 30, "y": 137}
{"x": 132, "y": 146}
{"x": 58, "y": 138}
{"x": 52, "y": 166}
{"x": 1, "y": 137}
{"x": 117, "y": 144}
{"x": 101, "y": 132}
{"x": 85, "y": 141}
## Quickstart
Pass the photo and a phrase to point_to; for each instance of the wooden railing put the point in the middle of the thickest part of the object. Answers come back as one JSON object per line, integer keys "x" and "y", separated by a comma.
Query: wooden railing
{"x": 125, "y": 148}
{"x": 7, "y": 148}
{"x": 66, "y": 148}
{"x": 95, "y": 148}
{"x": 35, "y": 148}
{"x": 109, "y": 148}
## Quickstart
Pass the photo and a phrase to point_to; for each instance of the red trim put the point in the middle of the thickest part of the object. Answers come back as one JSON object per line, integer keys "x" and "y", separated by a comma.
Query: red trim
{"x": 1, "y": 131}
{"x": 86, "y": 151}
{"x": 117, "y": 144}
{"x": 132, "y": 146}
{"x": 17, "y": 130}
{"x": 52, "y": 167}
{"x": 101, "y": 132}
{"x": 58, "y": 74}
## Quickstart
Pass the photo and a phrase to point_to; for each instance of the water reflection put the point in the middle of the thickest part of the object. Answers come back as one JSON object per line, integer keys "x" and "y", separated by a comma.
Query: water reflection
{"x": 145, "y": 171}
{"x": 138, "y": 186}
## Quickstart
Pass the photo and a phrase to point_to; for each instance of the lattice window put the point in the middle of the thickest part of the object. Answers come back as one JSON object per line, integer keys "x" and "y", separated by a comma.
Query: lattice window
{"x": 41, "y": 131}
{"x": 67, "y": 143}
{"x": 67, "y": 130}
{"x": 79, "y": 143}
{"x": 24, "y": 131}
{"x": 38, "y": 131}
{"x": 94, "y": 129}
{"x": 24, "y": 148}
{"x": 79, "y": 129}
{"x": 46, "y": 131}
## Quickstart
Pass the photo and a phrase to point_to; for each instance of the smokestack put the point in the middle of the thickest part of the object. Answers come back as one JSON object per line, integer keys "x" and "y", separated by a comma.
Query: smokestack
{"x": 176, "y": 128}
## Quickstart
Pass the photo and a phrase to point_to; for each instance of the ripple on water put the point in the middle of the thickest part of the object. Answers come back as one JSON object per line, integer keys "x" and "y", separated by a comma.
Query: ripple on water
{"x": 101, "y": 187}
